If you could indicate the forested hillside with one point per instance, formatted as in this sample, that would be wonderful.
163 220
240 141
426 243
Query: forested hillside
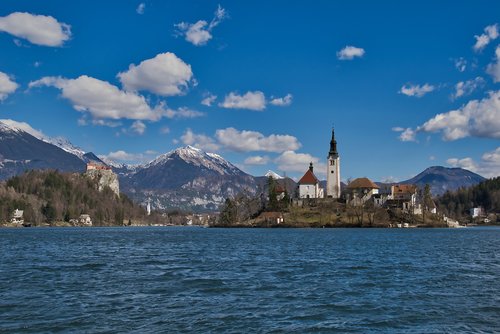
50 196
457 203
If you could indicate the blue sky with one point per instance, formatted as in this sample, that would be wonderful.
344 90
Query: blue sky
406 85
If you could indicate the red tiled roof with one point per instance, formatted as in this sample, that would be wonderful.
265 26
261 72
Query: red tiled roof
405 188
279 189
362 182
309 178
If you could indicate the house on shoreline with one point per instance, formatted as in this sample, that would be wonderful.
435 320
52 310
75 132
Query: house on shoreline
17 217
360 190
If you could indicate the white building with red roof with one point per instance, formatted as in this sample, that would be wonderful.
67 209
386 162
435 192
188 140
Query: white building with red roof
309 185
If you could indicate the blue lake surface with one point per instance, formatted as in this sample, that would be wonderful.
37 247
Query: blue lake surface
150 280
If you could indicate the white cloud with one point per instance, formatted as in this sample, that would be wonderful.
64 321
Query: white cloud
389 179
250 100
24 127
200 33
38 29
122 156
416 90
256 160
479 118
490 34
165 130
247 141
461 64
195 33
126 157
350 52
282 101
102 99
138 127
200 141
140 9
466 163
182 112
165 75
7 86
464 88
493 69
290 161
208 100
488 166
100 122
407 134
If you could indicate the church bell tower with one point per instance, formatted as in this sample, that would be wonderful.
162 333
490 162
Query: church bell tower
333 170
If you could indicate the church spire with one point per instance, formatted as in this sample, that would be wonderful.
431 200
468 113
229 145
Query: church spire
333 146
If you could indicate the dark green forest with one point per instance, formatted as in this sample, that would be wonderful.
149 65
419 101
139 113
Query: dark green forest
50 196
458 203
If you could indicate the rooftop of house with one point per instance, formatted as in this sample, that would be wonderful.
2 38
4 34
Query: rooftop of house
404 188
362 182
309 178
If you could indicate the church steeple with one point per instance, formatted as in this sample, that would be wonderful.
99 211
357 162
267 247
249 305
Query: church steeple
333 146
333 170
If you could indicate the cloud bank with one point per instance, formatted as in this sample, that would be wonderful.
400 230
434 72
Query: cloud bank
37 29
7 86
164 75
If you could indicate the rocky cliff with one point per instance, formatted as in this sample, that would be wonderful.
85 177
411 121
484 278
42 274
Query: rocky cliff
105 178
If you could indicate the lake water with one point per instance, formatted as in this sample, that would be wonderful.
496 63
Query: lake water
150 280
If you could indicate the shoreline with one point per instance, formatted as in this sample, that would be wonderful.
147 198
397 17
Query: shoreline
242 226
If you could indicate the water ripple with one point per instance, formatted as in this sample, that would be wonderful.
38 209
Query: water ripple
149 280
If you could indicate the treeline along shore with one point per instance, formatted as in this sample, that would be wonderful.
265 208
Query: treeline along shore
51 198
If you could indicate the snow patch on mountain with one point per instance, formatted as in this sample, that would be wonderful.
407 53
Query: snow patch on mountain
66 145
195 156
9 125
274 175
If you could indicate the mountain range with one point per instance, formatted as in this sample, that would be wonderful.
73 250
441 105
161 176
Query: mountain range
186 178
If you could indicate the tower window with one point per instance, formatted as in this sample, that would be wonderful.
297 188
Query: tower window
332 162
331 172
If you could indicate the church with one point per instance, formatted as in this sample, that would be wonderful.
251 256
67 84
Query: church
309 184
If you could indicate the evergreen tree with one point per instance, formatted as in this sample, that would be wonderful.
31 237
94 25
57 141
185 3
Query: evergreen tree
228 213
273 196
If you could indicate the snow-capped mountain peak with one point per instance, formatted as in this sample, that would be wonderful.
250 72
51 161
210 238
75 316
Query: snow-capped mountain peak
64 144
9 125
274 175
197 157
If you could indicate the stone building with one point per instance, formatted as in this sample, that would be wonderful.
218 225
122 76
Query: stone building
360 190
